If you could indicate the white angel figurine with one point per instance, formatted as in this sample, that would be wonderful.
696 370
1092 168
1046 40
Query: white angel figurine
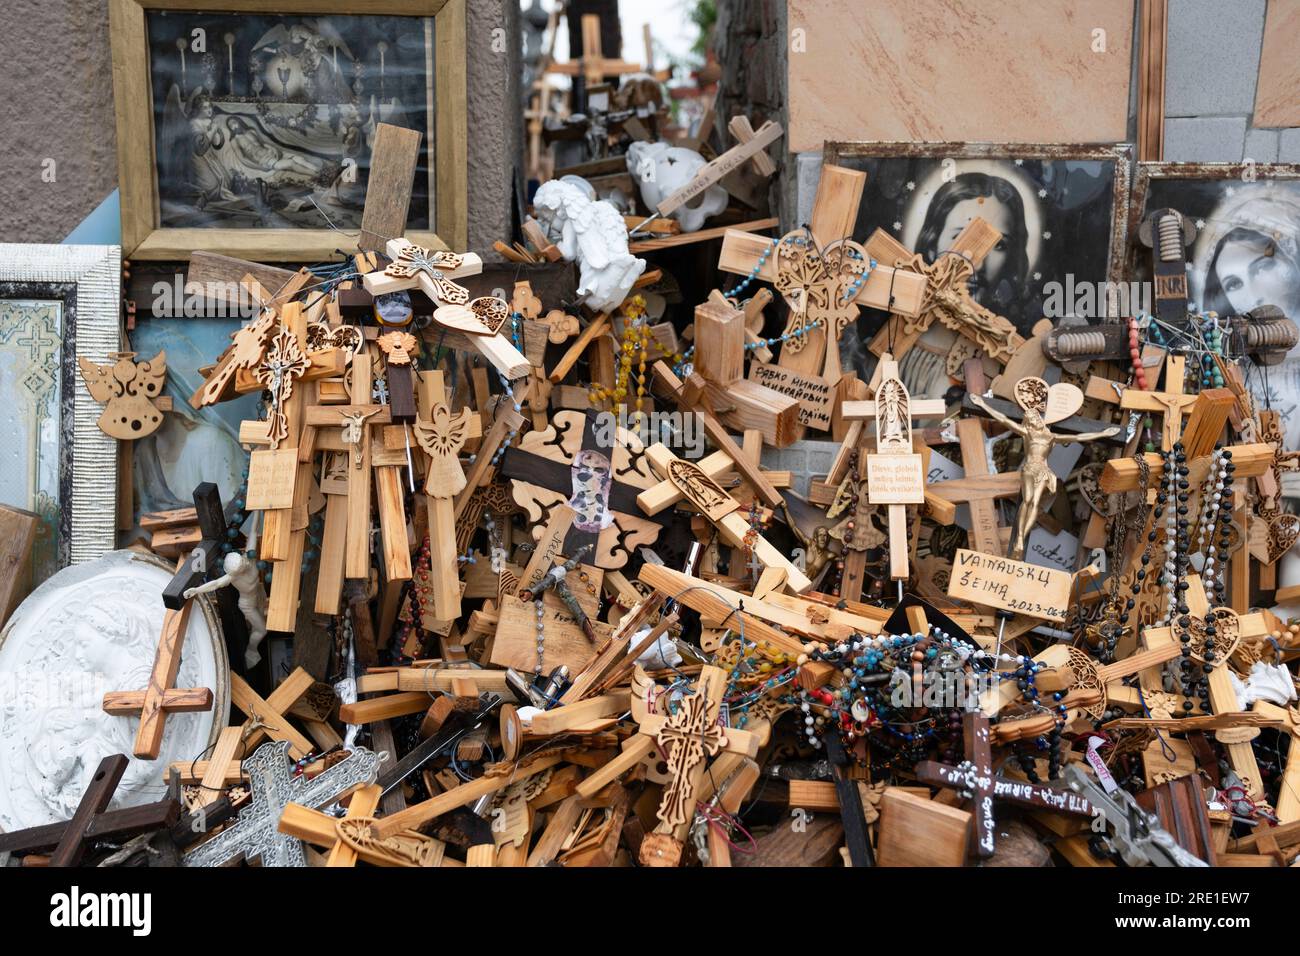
241 574
593 233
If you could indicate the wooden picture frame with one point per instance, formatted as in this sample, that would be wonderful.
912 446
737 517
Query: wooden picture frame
1246 253
87 282
143 235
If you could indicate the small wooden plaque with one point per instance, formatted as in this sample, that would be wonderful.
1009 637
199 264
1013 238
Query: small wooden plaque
1063 400
815 395
895 479
1011 585
271 477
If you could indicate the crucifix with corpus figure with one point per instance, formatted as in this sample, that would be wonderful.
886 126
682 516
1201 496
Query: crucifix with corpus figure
823 275
947 298
895 473
160 698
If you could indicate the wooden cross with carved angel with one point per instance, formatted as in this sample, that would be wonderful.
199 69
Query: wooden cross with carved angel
442 438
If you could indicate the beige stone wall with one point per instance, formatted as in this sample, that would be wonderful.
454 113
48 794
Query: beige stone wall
56 102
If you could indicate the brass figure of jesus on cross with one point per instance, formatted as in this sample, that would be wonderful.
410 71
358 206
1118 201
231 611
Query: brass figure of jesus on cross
1035 475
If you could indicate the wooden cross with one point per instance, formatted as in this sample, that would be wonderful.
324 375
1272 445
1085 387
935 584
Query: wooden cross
284 363
1172 404
1223 699
160 698
1288 795
100 824
351 838
976 778
255 834
691 399
432 272
685 480
398 348
593 67
947 297
442 437
828 266
689 735
895 474
269 717
570 460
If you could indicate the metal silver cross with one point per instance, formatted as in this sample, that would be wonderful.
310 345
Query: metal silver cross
255 833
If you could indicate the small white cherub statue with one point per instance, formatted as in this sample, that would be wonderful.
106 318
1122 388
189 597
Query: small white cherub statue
593 233
241 574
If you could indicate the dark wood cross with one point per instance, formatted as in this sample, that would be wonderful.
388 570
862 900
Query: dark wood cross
575 477
976 778
205 559
74 837
850 798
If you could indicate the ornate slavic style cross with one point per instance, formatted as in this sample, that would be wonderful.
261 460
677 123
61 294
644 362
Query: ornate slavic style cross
255 835
285 363
688 737
431 272
947 296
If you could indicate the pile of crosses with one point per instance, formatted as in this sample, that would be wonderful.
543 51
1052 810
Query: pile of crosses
566 632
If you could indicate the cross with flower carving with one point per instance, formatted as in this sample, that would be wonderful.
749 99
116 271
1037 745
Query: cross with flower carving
823 275
947 298
284 364
689 735
430 271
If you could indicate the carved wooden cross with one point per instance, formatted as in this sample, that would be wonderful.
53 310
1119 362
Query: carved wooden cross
895 475
975 777
947 296
823 281
433 272
351 838
442 437
1172 404
683 479
283 365
689 735
160 698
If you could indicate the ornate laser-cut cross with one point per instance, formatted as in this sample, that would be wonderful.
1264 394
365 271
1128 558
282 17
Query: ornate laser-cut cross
284 364
255 834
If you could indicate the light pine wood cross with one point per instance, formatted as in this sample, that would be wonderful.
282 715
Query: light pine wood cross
947 298
434 273
686 480
895 473
1172 404
689 734
816 280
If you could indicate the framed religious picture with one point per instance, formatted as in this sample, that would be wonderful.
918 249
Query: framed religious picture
58 304
1245 254
1061 210
247 127
192 445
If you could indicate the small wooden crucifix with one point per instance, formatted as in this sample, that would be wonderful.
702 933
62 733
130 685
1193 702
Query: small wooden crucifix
895 475
160 698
